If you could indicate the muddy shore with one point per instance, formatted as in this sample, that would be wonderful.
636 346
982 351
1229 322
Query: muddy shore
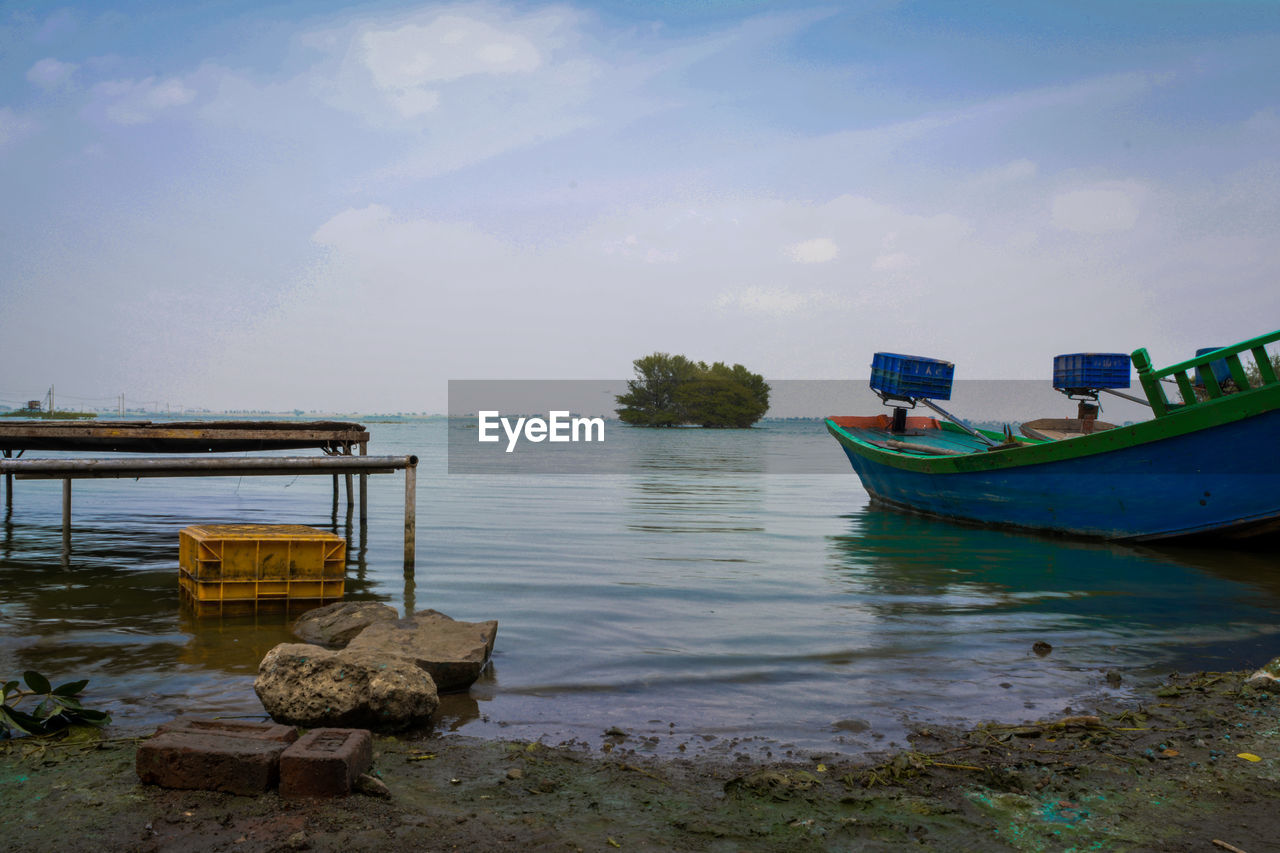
1194 765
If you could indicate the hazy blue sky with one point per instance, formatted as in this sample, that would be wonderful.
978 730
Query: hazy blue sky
341 206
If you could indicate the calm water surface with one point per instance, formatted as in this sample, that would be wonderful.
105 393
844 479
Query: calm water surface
694 601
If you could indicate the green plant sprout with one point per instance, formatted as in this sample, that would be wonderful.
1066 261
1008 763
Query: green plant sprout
56 708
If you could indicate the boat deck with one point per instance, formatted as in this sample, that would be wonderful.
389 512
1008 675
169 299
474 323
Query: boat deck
925 436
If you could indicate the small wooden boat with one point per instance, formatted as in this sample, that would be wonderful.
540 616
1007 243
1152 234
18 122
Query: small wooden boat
1207 463
1056 429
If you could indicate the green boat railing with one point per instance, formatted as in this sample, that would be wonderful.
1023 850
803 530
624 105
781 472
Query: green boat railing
1153 380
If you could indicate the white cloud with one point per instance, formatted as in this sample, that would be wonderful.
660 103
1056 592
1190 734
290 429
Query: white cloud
893 262
349 229
647 251
447 48
396 252
1102 209
141 101
409 63
52 74
816 251
779 301
13 125
1265 121
1008 173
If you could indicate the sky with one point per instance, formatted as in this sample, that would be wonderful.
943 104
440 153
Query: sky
340 207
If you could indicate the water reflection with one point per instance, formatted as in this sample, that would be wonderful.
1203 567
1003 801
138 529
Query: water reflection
694 451
679 504
233 645
1254 563
1135 601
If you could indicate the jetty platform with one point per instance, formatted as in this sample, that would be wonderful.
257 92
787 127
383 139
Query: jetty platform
343 450
181 436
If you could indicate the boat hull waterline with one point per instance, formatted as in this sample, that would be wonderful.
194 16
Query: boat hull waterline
1213 469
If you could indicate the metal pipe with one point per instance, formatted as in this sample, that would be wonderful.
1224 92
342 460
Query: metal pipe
188 466
1124 396
66 513
364 489
196 466
410 514
964 426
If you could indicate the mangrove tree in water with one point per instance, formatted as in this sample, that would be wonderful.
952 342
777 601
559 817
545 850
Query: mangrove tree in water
671 390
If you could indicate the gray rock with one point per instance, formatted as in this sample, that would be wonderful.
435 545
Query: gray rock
305 685
851 725
371 786
1267 678
454 653
335 625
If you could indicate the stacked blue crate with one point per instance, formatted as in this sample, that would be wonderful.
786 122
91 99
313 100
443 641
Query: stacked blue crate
911 376
1091 371
1220 370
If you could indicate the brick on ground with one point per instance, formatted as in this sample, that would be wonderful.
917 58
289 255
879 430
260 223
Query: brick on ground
233 756
325 763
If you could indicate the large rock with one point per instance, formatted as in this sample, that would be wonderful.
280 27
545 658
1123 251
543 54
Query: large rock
305 685
1267 678
453 652
335 625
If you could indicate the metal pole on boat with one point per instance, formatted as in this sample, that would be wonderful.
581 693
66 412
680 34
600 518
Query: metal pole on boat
964 426
1124 396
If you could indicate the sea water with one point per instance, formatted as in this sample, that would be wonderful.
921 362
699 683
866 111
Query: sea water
696 601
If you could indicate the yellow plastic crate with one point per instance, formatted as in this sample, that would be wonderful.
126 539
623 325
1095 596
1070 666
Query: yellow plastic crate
238 597
256 565
243 552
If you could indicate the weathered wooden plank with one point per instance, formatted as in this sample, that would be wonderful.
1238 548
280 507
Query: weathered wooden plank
201 466
7 431
178 436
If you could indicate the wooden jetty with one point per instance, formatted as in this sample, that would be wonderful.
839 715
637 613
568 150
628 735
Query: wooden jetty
338 442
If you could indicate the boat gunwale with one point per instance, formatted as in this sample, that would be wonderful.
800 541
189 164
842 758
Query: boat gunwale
1211 413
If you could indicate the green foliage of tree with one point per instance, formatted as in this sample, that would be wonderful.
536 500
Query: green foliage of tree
1255 375
671 390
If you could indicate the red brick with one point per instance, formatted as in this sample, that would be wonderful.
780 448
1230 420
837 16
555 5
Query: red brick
231 728
210 762
325 762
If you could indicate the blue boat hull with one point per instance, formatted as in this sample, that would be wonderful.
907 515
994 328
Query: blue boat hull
1223 480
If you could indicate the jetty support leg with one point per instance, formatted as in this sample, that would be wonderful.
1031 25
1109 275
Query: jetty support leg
66 517
364 489
410 516
8 484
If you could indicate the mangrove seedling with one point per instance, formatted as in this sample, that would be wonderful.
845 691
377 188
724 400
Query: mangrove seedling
55 708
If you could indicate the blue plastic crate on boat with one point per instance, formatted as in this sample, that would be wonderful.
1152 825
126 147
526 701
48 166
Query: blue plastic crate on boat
1220 370
904 376
1091 370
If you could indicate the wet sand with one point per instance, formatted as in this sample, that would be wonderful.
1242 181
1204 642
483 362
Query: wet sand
1163 773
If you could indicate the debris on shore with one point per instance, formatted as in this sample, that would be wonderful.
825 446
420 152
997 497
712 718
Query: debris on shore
1193 765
